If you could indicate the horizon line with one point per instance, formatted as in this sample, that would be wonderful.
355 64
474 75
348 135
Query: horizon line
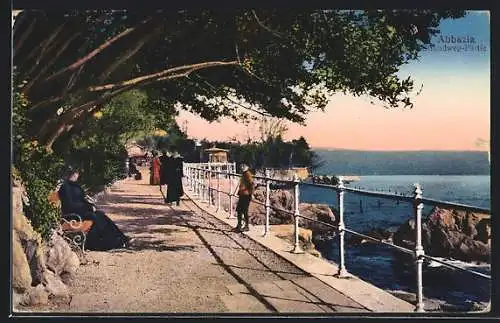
400 150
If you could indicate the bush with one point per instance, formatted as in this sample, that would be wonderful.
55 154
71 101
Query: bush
39 171
95 146
37 168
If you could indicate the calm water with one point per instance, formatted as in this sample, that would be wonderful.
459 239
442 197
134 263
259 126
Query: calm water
384 267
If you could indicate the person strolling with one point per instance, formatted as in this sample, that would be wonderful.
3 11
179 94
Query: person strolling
165 167
175 173
245 192
154 178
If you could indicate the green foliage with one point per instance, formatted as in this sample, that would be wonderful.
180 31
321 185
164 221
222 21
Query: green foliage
273 152
284 62
38 170
96 146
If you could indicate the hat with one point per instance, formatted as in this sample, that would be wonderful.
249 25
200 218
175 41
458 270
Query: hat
244 167
71 169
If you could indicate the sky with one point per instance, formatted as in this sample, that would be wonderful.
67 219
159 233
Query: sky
451 112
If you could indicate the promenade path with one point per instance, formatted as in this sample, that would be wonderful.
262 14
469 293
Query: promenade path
184 260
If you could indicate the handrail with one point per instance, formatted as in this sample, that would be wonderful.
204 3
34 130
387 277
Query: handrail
392 245
417 200
460 206
405 198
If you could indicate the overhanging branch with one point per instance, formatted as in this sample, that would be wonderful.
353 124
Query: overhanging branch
161 75
96 51
233 101
274 32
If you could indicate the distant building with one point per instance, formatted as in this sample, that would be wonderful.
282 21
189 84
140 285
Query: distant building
137 152
217 155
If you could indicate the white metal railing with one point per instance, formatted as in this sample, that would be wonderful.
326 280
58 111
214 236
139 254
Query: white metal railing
199 179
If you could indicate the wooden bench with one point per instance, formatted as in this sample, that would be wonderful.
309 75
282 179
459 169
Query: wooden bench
73 228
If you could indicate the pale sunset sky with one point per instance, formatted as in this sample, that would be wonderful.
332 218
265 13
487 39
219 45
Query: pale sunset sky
451 113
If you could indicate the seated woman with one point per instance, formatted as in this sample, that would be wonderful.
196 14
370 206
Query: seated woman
104 234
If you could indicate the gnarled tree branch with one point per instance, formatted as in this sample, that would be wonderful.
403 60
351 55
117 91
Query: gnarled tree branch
28 86
24 36
131 52
274 32
96 51
161 74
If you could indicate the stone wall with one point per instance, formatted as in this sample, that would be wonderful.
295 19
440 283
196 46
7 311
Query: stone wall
40 270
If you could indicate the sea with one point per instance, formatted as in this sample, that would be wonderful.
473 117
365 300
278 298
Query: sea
384 267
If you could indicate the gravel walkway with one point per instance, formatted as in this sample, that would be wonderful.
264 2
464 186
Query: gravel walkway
183 260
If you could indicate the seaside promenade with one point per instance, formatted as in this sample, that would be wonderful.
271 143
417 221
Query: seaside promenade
187 259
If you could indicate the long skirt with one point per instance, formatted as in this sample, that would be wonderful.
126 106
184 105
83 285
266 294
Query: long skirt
174 190
103 234
154 178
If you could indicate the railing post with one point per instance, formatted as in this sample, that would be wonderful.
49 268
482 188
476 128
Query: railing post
296 213
192 174
419 250
340 195
193 184
218 190
207 185
268 204
198 179
198 182
210 191
230 197
203 184
195 173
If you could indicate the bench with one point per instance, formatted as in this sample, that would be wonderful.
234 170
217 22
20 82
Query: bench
71 226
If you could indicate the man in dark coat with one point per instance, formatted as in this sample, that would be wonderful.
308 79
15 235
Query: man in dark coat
104 234
175 174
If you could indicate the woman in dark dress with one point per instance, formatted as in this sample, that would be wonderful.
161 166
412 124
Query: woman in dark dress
175 174
104 234
165 166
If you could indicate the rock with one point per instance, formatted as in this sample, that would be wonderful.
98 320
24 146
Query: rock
35 255
36 296
286 231
17 299
54 285
30 240
21 275
31 259
377 233
320 212
59 256
484 231
284 199
450 233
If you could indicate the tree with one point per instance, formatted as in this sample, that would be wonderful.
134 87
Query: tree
271 128
232 62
